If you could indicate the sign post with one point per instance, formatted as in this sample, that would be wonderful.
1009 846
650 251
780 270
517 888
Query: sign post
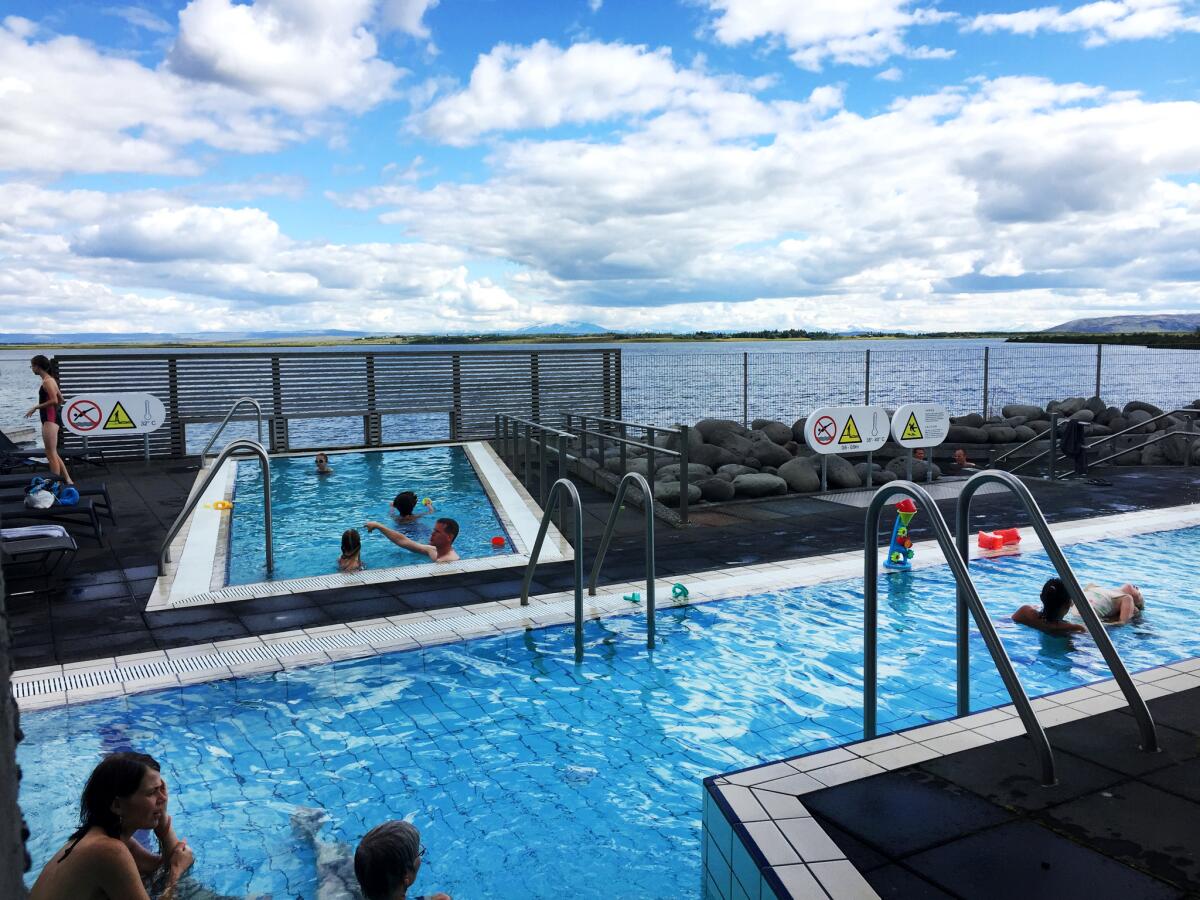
920 425
107 415
845 429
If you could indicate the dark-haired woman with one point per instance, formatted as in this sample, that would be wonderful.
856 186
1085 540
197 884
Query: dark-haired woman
102 860
49 410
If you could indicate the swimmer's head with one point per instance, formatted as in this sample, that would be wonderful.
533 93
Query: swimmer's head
1056 600
322 460
351 542
405 502
444 533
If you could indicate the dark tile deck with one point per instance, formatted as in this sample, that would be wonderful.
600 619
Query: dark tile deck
978 824
98 608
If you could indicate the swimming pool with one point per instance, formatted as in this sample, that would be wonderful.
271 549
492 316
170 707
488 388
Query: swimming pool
310 512
529 775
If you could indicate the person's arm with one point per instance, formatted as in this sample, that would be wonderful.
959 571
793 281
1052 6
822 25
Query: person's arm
1028 616
1127 610
50 400
401 541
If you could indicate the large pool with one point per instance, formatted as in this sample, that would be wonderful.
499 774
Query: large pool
530 776
310 511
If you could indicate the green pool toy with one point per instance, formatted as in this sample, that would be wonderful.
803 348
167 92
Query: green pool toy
679 592
635 597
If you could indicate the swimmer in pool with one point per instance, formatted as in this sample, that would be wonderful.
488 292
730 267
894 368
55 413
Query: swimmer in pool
1056 603
351 558
323 465
404 504
440 548
1115 606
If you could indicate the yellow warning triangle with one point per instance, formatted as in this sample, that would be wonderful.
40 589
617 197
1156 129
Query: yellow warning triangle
912 431
850 433
118 418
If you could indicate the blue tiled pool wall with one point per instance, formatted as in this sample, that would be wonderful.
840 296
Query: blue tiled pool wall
733 866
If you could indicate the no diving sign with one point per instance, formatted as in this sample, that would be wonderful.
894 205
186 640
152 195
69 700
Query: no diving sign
846 429
105 415
920 425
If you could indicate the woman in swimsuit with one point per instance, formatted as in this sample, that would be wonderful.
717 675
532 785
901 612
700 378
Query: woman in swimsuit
103 860
49 410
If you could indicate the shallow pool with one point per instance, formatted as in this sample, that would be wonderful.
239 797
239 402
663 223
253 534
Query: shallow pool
530 776
311 511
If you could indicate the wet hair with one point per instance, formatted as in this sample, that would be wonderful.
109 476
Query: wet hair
322 457
351 542
117 775
449 526
405 503
385 856
41 362
1056 600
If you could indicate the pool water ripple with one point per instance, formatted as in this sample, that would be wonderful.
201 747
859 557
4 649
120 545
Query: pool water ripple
529 775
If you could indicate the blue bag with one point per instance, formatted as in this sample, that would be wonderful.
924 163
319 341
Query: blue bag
67 495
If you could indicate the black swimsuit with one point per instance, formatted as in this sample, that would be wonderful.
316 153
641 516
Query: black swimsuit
52 413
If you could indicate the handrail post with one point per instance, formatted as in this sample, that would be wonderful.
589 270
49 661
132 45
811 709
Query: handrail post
561 484
985 382
229 415
683 474
610 526
1053 447
1094 626
963 578
541 443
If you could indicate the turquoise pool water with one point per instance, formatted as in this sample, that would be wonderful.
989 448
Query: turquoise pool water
530 776
310 512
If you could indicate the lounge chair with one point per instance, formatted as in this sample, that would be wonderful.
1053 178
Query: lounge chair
13 455
82 513
12 489
36 545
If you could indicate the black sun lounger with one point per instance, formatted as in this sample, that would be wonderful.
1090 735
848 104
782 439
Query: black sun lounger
12 493
82 513
13 455
36 546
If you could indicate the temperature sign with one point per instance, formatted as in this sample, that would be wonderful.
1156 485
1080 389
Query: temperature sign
846 429
102 415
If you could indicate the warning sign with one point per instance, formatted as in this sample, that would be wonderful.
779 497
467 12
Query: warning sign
100 415
846 429
920 425
850 433
118 419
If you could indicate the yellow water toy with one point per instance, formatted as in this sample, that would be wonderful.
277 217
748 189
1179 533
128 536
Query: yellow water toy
219 504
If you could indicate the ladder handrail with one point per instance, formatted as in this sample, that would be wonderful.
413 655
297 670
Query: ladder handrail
554 497
164 553
963 578
610 525
1094 626
229 415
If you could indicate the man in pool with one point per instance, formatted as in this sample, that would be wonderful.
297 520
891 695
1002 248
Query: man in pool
323 464
440 548
1113 607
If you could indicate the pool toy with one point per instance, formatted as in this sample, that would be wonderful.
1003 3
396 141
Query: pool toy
219 504
901 551
996 540
497 541
427 502
635 597
679 592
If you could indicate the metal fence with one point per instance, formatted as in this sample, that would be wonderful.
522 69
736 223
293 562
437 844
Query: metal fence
339 399
684 387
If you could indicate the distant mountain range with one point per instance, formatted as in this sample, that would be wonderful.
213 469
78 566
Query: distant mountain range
564 328
1130 324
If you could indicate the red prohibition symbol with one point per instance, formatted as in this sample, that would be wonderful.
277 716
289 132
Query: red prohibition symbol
84 415
825 430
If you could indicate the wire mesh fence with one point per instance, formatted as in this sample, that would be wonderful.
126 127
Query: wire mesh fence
667 387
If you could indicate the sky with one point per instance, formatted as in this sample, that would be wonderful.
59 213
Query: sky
435 166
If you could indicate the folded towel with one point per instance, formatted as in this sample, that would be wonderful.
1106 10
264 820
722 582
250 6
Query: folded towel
32 531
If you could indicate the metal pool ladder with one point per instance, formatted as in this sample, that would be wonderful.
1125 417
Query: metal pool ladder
164 553
1092 621
564 484
967 592
229 415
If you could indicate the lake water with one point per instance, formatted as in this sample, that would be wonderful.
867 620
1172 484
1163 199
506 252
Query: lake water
684 381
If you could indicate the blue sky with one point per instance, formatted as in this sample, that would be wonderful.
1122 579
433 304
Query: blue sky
465 165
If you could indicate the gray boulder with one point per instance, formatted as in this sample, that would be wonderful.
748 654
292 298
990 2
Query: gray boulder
971 420
993 420
1175 448
1099 431
1066 407
879 475
775 431
716 489
1154 455
1095 405
1025 433
1027 410
1110 413
1039 426
966 434
841 473
668 493
695 439
733 442
1195 452
770 470
793 448
920 469
712 456
1000 434
733 470
769 453
798 431
1139 416
800 476
696 472
1082 415
709 427
1014 421
759 485
751 463
1117 423
1138 405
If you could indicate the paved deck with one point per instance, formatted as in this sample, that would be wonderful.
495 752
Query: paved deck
102 600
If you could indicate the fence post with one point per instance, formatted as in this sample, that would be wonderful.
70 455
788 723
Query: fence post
279 425
616 386
372 426
867 382
985 381
535 399
178 435
745 389
1099 355
456 394
683 473
1053 446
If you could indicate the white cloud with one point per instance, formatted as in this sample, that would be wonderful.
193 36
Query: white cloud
140 18
301 55
407 16
847 32
890 74
191 232
1101 23
543 86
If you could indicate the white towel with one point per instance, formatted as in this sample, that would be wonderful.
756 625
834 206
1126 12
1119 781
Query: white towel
25 532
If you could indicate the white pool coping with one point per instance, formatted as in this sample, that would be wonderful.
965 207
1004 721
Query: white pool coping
198 557
58 685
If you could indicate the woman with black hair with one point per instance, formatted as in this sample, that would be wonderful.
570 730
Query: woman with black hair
102 860
49 410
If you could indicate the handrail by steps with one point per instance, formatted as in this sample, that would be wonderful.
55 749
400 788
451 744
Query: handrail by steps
229 415
562 484
610 525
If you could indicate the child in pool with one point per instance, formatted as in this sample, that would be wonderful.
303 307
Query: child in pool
405 502
351 558
323 465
